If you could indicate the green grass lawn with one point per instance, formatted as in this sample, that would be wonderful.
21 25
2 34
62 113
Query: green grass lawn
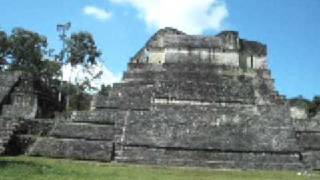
26 168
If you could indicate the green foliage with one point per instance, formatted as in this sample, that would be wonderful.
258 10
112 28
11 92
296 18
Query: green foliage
31 168
26 50
4 48
82 49
79 99
105 90
86 84
300 102
312 107
49 70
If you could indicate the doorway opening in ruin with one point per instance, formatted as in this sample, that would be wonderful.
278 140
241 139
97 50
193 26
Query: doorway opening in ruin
251 62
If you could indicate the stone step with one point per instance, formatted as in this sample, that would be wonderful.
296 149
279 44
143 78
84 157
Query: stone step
83 131
73 148
5 140
39 127
254 165
18 111
151 154
215 164
106 116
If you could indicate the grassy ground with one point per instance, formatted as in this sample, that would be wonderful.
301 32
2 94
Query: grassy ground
26 168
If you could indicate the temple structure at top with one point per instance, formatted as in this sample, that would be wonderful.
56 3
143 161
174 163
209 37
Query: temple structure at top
173 46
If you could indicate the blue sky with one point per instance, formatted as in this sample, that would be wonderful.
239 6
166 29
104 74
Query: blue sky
290 28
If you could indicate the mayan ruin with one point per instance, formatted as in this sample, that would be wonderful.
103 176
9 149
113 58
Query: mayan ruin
184 100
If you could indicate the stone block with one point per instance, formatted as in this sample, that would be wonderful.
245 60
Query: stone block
309 140
236 128
311 159
213 159
83 131
73 149
103 116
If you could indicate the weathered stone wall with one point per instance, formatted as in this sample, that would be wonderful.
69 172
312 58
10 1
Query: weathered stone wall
23 96
17 98
173 46
22 100
220 127
194 82
23 106
217 136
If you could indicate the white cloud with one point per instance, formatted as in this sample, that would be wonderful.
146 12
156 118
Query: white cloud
97 13
78 74
191 16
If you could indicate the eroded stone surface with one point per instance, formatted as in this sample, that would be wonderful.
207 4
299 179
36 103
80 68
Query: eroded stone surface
73 148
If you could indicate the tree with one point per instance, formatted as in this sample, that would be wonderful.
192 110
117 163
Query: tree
82 53
105 90
311 107
4 48
27 50
315 106
49 71
82 49
300 101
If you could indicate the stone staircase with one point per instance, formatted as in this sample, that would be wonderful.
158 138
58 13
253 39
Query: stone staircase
7 129
85 136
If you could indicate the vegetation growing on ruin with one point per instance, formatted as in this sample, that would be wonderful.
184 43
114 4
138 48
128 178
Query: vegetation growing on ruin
311 106
42 168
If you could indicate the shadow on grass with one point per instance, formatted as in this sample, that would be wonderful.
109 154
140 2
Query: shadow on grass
13 163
